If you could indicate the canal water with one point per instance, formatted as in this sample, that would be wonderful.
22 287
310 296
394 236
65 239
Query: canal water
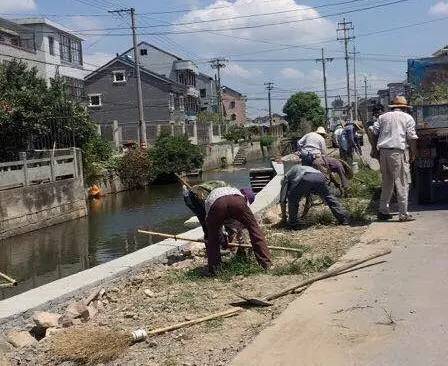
108 232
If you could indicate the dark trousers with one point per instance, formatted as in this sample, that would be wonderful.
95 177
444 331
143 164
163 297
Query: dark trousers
313 183
234 207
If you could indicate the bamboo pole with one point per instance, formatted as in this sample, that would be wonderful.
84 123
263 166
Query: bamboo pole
233 245
320 277
223 314
9 279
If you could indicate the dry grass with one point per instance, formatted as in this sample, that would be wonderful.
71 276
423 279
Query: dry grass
89 346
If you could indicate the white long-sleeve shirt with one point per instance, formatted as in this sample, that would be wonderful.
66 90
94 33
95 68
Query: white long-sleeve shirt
394 129
312 143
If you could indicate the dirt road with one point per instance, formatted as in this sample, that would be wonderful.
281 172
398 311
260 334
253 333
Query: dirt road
394 313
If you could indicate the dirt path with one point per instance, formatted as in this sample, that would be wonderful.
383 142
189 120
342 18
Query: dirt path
390 314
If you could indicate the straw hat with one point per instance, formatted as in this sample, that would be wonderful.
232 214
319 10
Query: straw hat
399 102
321 131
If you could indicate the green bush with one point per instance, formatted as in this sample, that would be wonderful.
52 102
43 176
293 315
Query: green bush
236 133
267 140
96 153
174 154
135 168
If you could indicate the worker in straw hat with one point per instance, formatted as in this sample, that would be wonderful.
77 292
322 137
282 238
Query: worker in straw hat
312 145
394 131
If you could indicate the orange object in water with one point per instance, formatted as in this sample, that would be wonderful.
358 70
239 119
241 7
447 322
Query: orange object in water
95 191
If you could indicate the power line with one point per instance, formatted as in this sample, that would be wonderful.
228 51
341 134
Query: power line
240 27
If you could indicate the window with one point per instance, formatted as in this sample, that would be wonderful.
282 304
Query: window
75 51
171 102
232 104
119 76
65 48
70 50
233 117
95 100
203 93
75 87
51 45
181 103
143 52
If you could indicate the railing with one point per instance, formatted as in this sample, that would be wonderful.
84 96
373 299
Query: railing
59 165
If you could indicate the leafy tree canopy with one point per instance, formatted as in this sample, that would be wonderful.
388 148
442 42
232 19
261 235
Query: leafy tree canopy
33 111
236 133
208 117
174 154
304 108
436 94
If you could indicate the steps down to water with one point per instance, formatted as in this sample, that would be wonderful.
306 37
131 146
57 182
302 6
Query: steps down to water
241 155
259 178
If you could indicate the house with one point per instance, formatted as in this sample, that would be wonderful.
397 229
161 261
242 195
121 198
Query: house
174 68
112 100
50 47
208 99
234 105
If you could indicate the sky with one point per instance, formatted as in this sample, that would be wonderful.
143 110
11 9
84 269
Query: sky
263 40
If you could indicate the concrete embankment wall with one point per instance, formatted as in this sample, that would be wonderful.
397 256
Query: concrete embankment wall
19 307
35 207
215 152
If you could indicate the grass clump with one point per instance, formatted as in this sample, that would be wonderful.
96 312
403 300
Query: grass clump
366 184
303 266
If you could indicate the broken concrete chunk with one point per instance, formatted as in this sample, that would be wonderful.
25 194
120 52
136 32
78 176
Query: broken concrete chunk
50 331
45 320
19 338
77 310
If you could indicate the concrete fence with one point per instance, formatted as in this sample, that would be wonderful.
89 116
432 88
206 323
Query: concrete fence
40 192
58 165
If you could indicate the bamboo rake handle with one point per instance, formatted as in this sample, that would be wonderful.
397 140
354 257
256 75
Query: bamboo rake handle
233 245
325 275
9 279
223 314
183 181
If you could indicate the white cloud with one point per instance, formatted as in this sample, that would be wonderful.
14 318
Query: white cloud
440 8
237 71
94 60
289 28
17 5
290 73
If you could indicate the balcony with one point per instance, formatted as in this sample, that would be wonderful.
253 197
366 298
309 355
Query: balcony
184 65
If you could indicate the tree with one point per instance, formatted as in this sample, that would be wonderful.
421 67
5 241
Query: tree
236 133
208 117
174 154
302 108
35 114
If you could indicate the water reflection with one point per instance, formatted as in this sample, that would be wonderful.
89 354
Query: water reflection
109 232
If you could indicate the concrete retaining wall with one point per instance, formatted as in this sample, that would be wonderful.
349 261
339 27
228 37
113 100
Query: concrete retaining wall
20 306
35 207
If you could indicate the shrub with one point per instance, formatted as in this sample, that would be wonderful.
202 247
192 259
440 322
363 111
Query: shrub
236 133
135 168
174 154
267 140
96 153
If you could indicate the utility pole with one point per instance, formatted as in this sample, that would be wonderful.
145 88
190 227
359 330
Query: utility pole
324 61
218 64
365 97
345 33
355 83
269 87
141 117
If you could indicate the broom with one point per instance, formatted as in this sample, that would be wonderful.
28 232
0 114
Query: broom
100 345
